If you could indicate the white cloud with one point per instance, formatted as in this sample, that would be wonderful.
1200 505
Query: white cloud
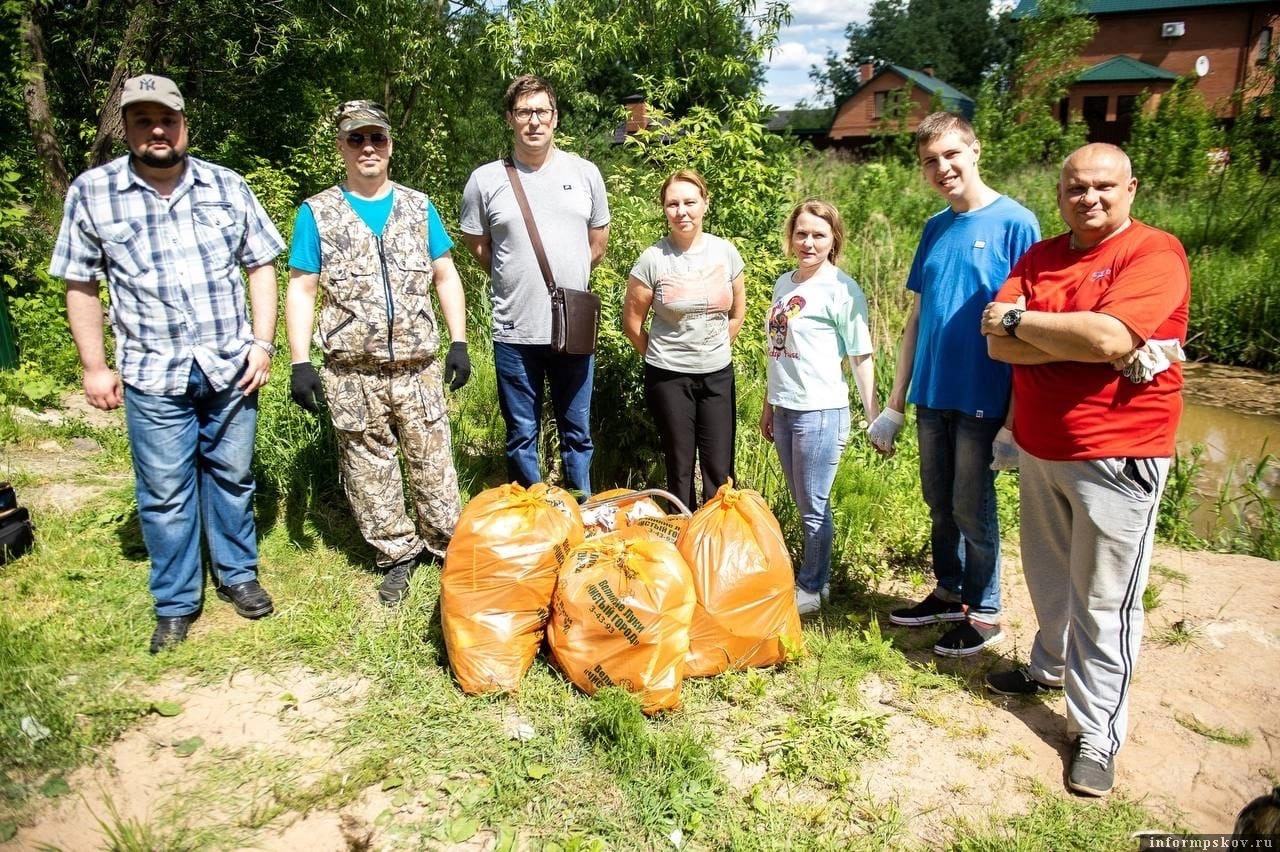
794 54
785 94
817 26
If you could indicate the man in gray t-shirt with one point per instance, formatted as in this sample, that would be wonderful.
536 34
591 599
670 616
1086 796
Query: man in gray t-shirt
567 198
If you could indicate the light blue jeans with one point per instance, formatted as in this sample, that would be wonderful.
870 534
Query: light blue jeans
809 445
192 457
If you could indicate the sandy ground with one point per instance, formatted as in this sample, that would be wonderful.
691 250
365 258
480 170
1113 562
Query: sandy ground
952 757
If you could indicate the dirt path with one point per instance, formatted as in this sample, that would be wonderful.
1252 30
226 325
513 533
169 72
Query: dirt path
956 756
1210 661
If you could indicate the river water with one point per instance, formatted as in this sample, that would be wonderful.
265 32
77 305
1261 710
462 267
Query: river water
1235 415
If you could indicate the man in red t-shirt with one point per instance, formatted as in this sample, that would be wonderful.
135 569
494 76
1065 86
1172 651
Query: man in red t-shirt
1096 444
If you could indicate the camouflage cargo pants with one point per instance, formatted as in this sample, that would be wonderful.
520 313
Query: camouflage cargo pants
370 411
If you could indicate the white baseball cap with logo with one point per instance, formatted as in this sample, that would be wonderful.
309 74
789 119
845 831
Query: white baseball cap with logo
152 89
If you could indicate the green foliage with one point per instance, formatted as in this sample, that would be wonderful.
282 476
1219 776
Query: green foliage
1170 146
35 301
1054 822
705 54
961 38
1178 502
1017 105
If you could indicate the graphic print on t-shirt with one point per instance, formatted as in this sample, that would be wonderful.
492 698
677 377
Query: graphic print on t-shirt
779 319
704 289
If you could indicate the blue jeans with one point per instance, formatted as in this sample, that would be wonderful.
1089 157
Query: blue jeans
809 445
192 457
960 489
523 370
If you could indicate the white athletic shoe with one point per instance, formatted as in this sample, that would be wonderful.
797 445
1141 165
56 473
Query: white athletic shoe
807 602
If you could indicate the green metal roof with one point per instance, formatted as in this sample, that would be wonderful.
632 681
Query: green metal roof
951 96
1123 68
1103 7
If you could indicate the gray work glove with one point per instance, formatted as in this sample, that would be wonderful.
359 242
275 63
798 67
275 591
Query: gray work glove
884 430
305 386
457 365
1004 451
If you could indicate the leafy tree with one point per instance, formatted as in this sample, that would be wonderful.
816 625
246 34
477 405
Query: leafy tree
1017 106
704 53
959 37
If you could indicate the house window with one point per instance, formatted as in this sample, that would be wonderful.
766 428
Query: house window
881 103
1264 46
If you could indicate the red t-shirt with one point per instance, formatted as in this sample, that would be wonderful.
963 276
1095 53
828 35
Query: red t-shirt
1073 410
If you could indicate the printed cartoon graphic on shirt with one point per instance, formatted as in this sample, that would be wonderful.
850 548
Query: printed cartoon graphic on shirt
779 321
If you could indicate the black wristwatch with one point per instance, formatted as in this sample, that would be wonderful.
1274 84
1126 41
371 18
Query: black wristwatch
1010 321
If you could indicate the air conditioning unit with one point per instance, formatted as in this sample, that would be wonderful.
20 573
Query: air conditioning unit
1173 29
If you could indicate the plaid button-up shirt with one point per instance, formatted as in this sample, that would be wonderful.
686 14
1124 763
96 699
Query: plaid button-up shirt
172 267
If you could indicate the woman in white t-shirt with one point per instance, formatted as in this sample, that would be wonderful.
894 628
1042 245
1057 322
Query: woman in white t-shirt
817 320
689 285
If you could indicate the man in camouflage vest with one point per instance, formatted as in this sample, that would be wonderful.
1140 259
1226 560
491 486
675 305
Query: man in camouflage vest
374 248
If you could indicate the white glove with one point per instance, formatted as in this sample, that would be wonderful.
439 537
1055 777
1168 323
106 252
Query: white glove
1151 359
884 430
1004 451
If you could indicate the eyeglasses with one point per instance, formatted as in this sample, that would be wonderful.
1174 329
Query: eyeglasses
524 114
357 141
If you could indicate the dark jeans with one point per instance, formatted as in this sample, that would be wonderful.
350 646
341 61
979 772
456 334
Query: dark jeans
523 370
696 416
959 488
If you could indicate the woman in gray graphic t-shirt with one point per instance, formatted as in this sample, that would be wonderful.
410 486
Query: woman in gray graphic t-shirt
689 285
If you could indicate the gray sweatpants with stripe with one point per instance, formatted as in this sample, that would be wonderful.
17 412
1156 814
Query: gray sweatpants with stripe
1087 532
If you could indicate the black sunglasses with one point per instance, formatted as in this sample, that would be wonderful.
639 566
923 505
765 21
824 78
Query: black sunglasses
356 141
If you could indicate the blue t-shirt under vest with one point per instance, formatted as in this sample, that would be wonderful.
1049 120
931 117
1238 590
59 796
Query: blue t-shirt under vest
304 248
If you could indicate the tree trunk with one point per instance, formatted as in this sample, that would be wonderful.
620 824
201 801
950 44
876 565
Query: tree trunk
36 96
111 123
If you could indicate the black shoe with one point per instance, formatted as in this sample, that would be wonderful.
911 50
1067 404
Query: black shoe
931 610
969 638
395 586
1093 772
1018 682
249 599
170 630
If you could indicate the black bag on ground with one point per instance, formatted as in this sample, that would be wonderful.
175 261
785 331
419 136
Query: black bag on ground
17 533
575 321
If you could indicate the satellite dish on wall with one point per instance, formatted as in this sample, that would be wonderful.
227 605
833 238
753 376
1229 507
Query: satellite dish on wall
1202 65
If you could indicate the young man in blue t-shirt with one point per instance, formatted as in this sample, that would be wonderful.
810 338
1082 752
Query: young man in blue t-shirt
962 396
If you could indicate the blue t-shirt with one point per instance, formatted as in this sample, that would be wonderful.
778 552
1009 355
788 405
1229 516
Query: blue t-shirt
961 261
304 250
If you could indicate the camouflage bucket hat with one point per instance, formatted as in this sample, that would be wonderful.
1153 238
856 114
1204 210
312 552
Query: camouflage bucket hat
356 114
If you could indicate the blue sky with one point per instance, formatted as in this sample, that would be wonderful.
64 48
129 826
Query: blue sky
817 26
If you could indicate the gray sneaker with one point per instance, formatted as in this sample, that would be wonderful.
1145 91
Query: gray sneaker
1093 772
395 586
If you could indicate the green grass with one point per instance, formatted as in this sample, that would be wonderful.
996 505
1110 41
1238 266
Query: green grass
75 615
1217 734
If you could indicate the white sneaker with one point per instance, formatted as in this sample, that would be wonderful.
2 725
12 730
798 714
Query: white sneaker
826 593
807 602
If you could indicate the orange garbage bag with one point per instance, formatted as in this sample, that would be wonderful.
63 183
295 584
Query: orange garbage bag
744 583
614 516
620 617
498 577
